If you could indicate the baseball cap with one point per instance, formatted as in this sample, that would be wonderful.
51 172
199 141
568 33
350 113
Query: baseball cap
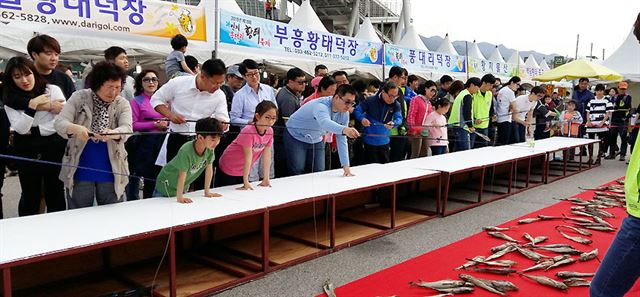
623 85
234 70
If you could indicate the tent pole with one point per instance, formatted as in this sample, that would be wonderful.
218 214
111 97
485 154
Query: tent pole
216 32
466 53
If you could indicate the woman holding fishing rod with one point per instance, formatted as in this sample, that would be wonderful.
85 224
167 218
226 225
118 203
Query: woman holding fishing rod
97 122
143 149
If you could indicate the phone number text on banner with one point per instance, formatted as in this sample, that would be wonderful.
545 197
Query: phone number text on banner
426 61
138 17
278 37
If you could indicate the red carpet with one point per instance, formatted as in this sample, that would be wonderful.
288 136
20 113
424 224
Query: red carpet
440 264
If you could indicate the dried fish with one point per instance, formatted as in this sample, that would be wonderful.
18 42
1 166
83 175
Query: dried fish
329 289
577 239
570 274
578 230
502 271
493 228
560 258
580 220
458 290
502 236
528 237
481 284
502 285
500 263
560 263
501 253
589 256
528 220
441 284
472 262
555 245
543 280
560 250
602 222
599 228
542 265
503 246
546 218
439 295
577 282
530 254
581 213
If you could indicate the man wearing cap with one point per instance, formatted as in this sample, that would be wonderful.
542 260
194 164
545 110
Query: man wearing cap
620 268
233 83
619 122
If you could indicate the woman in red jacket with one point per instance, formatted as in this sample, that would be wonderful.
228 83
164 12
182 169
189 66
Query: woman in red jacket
419 108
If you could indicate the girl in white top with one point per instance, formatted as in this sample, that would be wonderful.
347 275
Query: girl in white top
31 106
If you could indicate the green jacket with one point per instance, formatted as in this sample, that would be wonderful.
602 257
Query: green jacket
480 109
632 182
456 118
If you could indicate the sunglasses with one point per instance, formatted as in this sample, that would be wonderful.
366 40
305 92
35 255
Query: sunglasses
150 80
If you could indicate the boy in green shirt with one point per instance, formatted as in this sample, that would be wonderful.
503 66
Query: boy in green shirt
193 157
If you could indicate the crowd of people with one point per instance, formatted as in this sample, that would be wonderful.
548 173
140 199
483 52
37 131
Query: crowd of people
210 124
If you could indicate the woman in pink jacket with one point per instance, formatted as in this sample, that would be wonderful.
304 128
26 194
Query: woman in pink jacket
419 108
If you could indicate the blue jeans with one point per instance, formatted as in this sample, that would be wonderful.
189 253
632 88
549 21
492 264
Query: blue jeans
477 141
518 133
438 149
620 267
462 139
303 157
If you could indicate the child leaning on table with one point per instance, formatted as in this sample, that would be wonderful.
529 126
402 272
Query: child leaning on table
192 159
571 119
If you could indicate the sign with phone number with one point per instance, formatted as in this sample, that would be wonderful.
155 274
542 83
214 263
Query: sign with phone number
138 17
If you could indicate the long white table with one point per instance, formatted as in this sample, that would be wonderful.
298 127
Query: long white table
35 238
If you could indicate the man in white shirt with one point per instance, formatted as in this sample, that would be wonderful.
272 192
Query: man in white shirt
504 107
522 116
191 98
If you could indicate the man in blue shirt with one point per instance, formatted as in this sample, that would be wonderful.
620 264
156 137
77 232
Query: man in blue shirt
582 95
306 127
243 108
379 114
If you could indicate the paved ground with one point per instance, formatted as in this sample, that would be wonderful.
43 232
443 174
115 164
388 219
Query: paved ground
353 263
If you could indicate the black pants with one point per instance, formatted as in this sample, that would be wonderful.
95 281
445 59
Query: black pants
143 151
602 145
33 176
541 134
377 153
613 139
174 143
222 179
504 133
4 144
398 147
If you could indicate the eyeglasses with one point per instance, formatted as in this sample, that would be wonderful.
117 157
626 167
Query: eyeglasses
300 82
348 102
150 80
253 73
433 90
391 96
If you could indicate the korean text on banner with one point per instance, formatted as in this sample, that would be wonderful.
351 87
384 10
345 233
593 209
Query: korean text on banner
137 17
480 67
248 31
423 61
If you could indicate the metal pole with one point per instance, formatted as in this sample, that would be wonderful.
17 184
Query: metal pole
216 26
577 44
466 53
591 51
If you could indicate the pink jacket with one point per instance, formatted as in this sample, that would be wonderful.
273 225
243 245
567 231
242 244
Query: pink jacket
419 108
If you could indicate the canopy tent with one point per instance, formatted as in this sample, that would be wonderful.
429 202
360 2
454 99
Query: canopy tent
367 32
412 40
543 65
474 51
516 59
307 18
446 47
496 56
625 59
531 62
577 69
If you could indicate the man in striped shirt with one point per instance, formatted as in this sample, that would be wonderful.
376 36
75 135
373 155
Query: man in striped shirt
598 114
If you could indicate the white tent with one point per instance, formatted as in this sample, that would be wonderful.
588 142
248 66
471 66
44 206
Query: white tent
412 40
531 62
367 32
446 47
307 18
496 56
474 51
625 59
543 65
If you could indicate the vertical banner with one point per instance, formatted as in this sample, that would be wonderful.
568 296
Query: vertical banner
423 61
138 17
285 40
